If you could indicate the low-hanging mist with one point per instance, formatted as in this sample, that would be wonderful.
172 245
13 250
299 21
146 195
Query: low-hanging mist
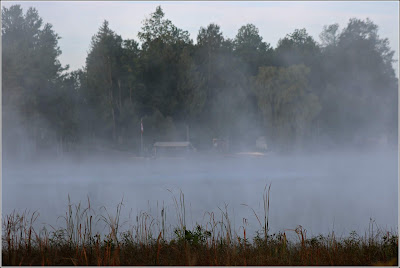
315 120
338 191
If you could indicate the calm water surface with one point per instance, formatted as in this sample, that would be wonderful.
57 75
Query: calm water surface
337 191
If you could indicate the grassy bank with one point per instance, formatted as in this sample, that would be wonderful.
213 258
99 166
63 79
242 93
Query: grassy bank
149 242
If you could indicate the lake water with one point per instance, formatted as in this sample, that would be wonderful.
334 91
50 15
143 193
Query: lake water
338 192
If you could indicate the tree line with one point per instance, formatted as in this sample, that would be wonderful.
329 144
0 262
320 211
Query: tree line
340 90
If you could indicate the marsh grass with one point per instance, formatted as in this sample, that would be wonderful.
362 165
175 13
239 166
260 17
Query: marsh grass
149 240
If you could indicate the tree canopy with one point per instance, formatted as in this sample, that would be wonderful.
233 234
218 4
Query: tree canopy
342 89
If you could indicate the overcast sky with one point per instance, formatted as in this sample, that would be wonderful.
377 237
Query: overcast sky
76 22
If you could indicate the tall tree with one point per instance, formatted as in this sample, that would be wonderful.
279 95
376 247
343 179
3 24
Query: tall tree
287 104
250 48
31 71
156 27
228 109
297 48
190 82
103 65
361 85
162 44
330 35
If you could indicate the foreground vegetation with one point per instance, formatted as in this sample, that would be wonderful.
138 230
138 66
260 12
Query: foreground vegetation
147 242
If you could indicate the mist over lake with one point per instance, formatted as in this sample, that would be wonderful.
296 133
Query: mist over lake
199 134
333 191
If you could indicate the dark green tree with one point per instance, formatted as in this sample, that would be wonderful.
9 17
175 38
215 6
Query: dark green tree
250 48
156 27
297 48
31 75
162 46
287 104
104 91
190 96
228 111
360 98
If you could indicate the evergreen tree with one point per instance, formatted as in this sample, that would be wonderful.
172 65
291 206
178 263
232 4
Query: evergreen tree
31 76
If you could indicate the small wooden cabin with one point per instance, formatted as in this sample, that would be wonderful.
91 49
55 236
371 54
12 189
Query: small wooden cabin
172 148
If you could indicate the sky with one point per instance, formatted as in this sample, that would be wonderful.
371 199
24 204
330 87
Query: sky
77 21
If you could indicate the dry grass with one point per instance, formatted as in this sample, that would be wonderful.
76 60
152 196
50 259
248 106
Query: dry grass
213 243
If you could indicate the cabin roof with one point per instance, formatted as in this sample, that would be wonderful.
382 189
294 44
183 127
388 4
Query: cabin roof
172 144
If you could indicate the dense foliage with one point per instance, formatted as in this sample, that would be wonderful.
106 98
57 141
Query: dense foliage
342 90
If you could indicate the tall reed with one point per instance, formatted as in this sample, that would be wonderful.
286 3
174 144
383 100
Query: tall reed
149 241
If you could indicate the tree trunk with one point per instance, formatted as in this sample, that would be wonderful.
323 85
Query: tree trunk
119 91
61 145
113 117
130 94
112 102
